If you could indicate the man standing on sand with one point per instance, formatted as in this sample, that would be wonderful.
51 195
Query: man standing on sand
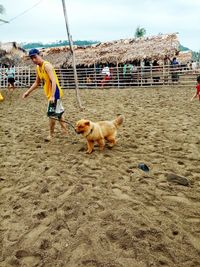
46 73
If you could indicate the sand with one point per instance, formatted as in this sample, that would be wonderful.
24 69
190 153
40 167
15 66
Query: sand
62 207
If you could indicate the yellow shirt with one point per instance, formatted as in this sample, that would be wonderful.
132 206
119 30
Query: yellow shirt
42 74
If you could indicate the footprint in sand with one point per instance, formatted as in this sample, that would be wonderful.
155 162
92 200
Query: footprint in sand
193 220
40 215
120 195
194 240
26 259
179 199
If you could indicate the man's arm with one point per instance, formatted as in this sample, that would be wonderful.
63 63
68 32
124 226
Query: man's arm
33 87
49 70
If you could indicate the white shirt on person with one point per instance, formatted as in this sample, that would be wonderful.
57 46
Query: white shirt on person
106 71
194 65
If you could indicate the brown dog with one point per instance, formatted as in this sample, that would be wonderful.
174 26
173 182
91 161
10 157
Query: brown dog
99 132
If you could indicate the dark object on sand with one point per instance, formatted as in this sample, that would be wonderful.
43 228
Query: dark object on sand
174 178
143 167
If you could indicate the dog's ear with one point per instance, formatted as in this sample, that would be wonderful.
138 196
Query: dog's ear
87 123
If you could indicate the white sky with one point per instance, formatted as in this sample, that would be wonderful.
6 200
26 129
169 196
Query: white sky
102 20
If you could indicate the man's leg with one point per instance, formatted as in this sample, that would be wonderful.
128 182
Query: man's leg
60 111
63 125
13 86
9 89
52 123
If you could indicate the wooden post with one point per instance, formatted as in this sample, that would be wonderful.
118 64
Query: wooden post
117 75
151 76
95 75
163 72
29 76
73 55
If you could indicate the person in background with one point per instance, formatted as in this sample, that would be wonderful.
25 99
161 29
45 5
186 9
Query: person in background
175 75
128 73
197 93
156 71
124 71
194 66
46 73
89 80
106 75
10 73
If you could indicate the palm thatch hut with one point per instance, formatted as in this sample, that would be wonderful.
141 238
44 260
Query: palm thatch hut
116 52
184 57
11 53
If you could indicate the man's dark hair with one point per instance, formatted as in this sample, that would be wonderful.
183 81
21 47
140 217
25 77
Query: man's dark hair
198 78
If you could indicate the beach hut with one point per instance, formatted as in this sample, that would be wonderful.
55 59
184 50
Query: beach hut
90 59
11 53
115 52
184 57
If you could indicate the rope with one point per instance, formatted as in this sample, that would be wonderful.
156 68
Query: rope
69 123
24 12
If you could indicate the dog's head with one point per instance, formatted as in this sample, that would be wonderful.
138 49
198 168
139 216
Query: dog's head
82 126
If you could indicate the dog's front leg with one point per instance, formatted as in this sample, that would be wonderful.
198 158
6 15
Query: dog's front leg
101 143
90 147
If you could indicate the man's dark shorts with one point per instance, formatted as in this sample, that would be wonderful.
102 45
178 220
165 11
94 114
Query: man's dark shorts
55 109
11 81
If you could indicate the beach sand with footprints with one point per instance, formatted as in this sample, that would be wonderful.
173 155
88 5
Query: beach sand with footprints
62 207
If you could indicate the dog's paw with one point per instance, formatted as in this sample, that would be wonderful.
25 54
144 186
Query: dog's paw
110 146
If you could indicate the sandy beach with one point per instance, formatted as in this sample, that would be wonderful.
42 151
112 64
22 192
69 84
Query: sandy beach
63 208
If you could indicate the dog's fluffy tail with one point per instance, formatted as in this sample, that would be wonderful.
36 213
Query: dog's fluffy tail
118 121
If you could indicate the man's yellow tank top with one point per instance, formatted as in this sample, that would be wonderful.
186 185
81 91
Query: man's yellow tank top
47 82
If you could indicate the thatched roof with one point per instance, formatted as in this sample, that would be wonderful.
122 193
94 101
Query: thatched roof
11 53
12 48
121 51
184 57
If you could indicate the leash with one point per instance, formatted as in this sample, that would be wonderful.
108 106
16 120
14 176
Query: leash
62 121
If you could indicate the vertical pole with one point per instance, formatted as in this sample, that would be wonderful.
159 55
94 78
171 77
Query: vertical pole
117 74
73 55
95 75
0 76
163 72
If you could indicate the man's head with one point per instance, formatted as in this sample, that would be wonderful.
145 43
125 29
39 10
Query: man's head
34 54
198 79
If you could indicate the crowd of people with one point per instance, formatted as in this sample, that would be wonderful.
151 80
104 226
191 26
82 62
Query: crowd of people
135 73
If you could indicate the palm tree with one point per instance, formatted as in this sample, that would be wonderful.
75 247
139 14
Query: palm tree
139 32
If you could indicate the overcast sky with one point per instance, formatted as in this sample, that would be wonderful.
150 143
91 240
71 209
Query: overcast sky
102 20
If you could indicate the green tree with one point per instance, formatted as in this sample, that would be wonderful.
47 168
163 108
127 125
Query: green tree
2 9
140 32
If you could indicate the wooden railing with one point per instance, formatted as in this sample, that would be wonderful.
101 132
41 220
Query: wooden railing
92 77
